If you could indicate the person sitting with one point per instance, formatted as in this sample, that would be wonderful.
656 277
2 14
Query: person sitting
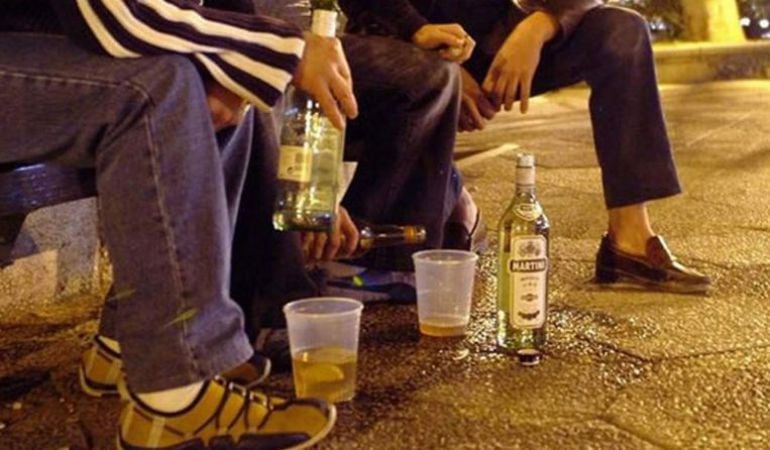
529 47
155 95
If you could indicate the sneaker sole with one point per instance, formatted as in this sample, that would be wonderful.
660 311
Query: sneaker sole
627 281
93 391
311 442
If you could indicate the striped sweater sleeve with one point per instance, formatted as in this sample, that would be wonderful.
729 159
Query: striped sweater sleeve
251 55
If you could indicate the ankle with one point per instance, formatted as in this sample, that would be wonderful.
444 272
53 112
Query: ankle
111 344
634 243
171 400
465 210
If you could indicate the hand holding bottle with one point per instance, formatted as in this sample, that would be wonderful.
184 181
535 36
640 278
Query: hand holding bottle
340 243
323 73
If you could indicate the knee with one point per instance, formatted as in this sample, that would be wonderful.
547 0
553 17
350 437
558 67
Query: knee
625 32
441 79
169 77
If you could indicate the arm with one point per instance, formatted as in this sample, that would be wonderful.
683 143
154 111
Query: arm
568 13
511 73
253 56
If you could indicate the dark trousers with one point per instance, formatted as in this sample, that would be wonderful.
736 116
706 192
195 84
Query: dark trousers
611 51
403 141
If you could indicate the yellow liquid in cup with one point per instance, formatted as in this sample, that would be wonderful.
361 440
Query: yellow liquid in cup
328 373
443 325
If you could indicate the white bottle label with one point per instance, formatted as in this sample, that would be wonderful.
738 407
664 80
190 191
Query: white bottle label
294 163
528 269
324 23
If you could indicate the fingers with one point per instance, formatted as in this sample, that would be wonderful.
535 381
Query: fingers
343 95
454 29
307 239
509 90
472 111
350 236
467 49
319 243
330 107
486 108
333 244
488 86
524 93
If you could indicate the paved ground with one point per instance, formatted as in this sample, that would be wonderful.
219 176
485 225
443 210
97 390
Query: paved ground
623 369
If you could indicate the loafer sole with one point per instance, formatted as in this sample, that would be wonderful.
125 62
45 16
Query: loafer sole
619 279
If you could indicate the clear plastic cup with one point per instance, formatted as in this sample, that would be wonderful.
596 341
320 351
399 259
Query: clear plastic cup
444 290
323 339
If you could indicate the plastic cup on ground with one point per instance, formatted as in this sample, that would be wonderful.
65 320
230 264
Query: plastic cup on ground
323 340
444 290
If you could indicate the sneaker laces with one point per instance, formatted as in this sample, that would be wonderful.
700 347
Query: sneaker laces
250 397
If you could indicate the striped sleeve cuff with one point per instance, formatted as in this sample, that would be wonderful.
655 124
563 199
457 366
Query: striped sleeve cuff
250 55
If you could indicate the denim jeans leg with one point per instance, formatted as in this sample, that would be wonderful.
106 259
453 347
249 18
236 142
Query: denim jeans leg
268 265
234 144
144 125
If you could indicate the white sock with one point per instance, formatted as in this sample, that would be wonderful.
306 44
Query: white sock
111 344
171 400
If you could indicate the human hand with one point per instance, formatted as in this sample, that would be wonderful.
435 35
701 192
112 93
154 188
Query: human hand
323 73
226 108
476 108
515 64
450 39
340 243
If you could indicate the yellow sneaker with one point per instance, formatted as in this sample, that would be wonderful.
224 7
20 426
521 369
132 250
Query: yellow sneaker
101 370
227 416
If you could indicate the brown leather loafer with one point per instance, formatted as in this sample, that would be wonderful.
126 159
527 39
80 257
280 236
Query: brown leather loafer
657 270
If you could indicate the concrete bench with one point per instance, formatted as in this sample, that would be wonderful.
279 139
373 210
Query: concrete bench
25 187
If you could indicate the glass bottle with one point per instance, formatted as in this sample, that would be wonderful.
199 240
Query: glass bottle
311 151
373 236
522 303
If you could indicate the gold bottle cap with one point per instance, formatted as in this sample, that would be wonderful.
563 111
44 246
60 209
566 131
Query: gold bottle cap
415 234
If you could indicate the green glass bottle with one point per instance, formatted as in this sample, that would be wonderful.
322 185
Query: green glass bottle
311 151
372 236
522 301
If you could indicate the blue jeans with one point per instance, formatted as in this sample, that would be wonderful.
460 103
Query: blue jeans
168 194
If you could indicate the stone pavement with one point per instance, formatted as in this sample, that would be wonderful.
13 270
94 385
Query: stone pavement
623 369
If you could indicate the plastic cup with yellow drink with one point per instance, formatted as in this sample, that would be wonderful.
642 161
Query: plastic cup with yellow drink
323 340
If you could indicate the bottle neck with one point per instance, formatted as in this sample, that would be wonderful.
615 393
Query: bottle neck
525 181
377 236
324 22
525 190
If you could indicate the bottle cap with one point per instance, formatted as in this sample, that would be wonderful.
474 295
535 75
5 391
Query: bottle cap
529 356
415 234
525 169
525 160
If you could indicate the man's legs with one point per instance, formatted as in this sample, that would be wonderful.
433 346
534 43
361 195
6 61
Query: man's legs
166 210
611 51
162 202
405 134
